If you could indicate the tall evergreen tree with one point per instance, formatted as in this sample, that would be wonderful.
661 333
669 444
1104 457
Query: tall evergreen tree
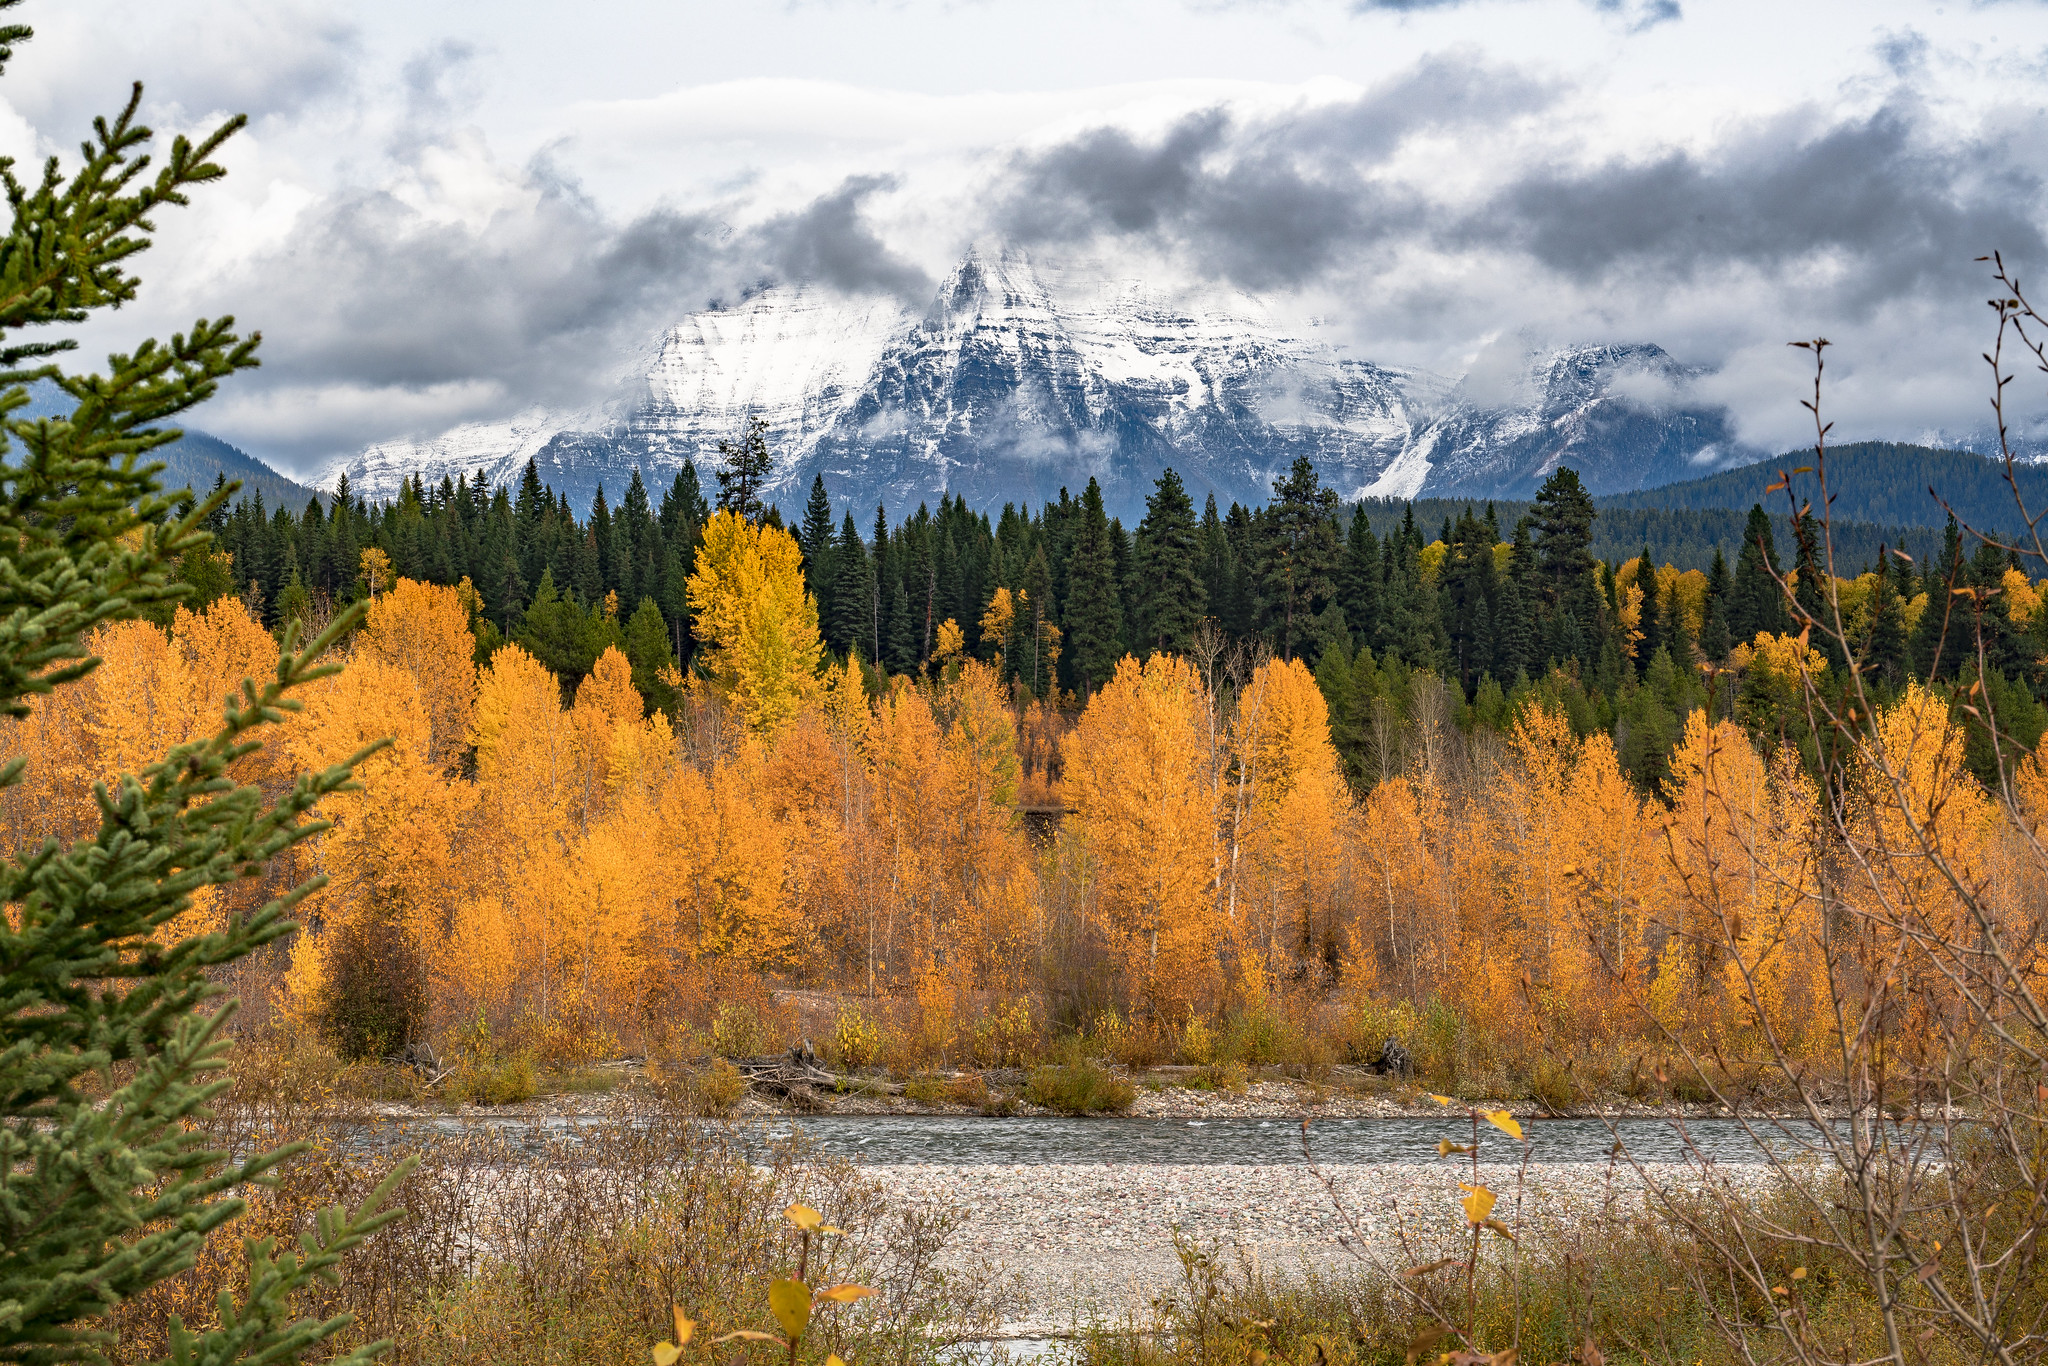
1569 591
743 468
1884 649
1299 558
815 540
1716 639
1094 614
1359 582
112 1039
1168 595
853 593
1755 601
1941 638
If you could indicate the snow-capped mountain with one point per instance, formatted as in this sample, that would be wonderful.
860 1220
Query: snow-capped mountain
1020 379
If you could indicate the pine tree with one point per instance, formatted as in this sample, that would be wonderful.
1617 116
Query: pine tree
853 593
816 540
1359 581
1884 649
1570 595
1810 590
1514 643
1038 602
1941 636
1168 596
1646 622
647 649
1716 640
743 468
109 1048
1094 614
1755 601
1300 556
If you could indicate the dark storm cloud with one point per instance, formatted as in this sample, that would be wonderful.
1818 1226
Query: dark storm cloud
1273 202
831 242
1881 192
1889 204
539 304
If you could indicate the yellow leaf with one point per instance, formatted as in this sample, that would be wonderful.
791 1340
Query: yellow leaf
665 1353
1441 1100
1478 1203
845 1294
1503 1121
803 1216
1444 1147
832 1359
830 1228
686 1327
1502 1229
790 1302
1798 1273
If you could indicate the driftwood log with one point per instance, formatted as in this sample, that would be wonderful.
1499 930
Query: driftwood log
796 1074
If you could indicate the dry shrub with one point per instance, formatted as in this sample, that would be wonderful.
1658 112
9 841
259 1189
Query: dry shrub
1079 1088
856 1041
1006 1034
519 1246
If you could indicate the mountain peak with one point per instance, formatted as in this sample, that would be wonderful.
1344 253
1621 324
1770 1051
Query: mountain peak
1023 376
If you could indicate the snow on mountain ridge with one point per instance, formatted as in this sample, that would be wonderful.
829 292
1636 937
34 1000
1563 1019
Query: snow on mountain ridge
1022 378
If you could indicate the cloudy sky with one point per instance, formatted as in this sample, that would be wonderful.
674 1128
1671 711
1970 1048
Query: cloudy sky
454 210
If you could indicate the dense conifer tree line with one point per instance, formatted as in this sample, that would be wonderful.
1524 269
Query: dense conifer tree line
1059 593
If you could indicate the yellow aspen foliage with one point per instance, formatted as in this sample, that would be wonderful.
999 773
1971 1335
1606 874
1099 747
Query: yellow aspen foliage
2022 597
390 857
1298 841
1920 818
375 573
951 640
527 757
1739 851
999 618
618 747
846 703
424 629
727 860
1137 773
758 625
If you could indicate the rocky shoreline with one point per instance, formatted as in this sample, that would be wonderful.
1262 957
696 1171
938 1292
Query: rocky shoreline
1088 1243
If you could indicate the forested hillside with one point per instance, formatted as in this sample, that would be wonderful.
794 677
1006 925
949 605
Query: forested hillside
1878 482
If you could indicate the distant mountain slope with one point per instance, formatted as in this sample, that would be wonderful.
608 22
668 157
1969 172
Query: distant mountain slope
1020 378
1871 481
195 459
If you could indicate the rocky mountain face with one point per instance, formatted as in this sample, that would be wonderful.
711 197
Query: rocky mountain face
1019 380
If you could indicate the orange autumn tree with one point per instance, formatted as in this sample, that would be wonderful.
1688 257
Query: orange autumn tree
1138 775
1299 835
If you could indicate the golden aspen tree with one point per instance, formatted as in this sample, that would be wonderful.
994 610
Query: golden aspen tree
424 629
1138 777
1305 806
382 920
619 749
1739 890
758 625
986 862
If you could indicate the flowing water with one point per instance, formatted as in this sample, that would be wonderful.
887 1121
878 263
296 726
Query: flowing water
973 1140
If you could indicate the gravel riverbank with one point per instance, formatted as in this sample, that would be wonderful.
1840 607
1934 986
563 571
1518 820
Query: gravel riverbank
1095 1239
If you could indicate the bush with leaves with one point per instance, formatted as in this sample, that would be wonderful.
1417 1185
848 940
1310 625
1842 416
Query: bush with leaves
110 1028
